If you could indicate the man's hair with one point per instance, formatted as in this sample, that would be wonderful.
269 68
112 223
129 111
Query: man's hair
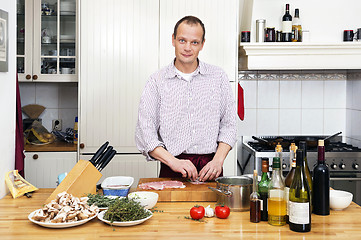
189 20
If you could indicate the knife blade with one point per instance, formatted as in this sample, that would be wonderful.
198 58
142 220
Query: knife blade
103 157
98 153
106 161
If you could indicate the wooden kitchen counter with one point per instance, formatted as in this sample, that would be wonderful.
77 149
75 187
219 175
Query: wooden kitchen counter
171 224
56 146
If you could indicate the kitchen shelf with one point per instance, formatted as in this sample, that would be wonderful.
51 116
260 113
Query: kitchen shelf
283 56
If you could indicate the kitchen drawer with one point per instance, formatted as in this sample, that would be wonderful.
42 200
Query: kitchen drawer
133 165
43 168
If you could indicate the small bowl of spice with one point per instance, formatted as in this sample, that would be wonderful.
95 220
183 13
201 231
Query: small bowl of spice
117 186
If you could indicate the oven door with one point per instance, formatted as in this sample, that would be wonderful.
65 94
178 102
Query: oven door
349 181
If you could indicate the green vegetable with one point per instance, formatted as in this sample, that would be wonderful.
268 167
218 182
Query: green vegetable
100 200
125 210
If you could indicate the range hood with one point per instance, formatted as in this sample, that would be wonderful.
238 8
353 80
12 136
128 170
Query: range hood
296 56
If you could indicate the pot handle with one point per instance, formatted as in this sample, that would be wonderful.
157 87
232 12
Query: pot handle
227 193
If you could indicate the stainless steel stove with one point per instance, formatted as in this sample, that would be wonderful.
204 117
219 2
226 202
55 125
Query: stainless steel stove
344 160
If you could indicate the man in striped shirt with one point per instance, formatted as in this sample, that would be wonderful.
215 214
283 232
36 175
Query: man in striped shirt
187 113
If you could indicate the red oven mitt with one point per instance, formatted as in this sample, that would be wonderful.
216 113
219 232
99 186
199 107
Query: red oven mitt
240 107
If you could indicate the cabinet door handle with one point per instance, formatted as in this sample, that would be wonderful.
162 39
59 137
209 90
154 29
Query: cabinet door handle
35 156
35 77
81 145
28 76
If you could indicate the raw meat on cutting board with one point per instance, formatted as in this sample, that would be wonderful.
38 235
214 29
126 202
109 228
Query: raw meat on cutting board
161 185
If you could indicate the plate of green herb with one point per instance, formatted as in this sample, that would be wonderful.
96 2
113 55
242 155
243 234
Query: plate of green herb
101 201
125 212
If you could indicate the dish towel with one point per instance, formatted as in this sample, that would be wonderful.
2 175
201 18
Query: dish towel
240 105
19 136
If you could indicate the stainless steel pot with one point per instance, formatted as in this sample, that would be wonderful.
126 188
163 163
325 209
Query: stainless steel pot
234 192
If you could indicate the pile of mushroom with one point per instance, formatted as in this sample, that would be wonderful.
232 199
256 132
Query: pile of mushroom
65 208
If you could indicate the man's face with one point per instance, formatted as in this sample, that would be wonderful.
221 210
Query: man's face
188 43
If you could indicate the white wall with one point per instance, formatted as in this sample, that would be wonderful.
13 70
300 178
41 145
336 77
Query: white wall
325 19
7 102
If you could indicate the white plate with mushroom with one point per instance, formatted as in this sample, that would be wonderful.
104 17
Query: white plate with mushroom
58 225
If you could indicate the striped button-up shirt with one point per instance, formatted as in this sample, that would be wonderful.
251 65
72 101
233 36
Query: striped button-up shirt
186 116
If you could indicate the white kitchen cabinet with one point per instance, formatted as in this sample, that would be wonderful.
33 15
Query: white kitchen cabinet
133 165
46 40
43 168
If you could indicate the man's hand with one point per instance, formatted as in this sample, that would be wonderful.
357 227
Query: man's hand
211 170
185 167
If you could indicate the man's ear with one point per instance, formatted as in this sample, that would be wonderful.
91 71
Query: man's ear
173 40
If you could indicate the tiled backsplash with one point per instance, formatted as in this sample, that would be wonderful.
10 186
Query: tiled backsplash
59 99
353 107
293 102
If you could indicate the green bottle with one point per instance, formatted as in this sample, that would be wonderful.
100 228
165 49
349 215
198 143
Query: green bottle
263 189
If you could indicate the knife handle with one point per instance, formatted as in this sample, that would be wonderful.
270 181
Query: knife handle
99 152
106 161
103 157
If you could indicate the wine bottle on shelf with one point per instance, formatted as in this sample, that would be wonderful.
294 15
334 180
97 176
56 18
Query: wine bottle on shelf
287 25
297 27
300 198
263 189
279 154
321 183
276 198
303 146
290 175
255 201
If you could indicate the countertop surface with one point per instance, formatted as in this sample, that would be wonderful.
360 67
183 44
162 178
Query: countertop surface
56 146
169 223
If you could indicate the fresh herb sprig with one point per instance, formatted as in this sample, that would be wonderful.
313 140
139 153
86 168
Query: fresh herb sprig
100 200
125 210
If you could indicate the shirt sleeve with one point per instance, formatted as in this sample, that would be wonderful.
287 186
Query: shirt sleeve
146 132
228 123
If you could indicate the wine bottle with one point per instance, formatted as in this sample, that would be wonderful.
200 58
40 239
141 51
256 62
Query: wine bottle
287 25
300 198
321 183
255 201
303 146
263 189
276 200
297 27
290 175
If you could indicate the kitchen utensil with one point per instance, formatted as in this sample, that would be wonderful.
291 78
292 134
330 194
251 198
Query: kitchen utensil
107 160
98 153
147 199
279 140
240 107
234 191
191 193
33 110
340 200
103 157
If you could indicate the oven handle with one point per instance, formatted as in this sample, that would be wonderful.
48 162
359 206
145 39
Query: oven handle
345 179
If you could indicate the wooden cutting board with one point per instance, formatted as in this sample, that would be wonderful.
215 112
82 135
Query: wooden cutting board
191 193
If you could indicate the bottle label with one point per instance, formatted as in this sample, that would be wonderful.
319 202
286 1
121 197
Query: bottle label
261 205
287 27
287 193
299 213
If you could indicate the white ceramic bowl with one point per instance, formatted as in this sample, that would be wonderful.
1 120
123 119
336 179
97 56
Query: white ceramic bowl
340 200
145 198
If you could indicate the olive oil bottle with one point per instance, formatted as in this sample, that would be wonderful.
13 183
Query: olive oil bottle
276 201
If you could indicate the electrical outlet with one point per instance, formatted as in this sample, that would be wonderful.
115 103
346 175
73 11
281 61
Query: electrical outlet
57 124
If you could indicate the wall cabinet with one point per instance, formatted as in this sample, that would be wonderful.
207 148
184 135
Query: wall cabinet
43 168
46 40
122 43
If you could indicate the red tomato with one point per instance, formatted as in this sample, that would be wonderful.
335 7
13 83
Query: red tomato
197 212
222 211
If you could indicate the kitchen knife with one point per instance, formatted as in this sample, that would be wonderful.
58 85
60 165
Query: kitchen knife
98 153
105 162
103 157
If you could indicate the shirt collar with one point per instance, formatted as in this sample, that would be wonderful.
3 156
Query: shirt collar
171 69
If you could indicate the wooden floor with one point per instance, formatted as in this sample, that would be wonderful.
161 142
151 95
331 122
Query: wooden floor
171 224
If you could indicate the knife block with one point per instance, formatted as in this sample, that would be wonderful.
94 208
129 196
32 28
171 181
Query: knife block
80 181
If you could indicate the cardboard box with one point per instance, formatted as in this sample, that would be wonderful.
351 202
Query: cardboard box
80 181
